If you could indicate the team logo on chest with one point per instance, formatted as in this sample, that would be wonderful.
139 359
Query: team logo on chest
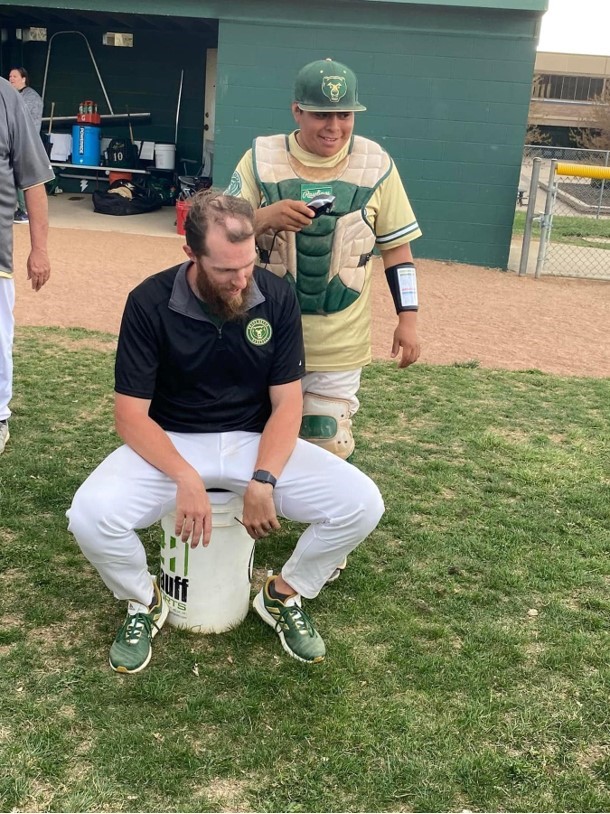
234 187
258 332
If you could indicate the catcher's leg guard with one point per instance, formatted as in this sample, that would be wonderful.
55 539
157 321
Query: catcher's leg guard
327 424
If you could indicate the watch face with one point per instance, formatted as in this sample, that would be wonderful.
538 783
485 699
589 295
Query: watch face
262 476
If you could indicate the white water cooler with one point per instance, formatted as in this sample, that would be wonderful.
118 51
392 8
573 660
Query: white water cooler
208 589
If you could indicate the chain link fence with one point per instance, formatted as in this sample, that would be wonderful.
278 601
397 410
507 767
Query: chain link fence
568 211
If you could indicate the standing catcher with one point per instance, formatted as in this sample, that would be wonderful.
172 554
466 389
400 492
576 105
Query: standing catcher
328 257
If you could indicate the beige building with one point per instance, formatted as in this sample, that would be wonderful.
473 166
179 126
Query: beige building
565 90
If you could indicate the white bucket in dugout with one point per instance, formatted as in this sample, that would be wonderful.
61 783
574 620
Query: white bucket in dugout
165 156
208 589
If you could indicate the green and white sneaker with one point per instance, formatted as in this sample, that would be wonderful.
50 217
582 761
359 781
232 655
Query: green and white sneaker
297 634
132 648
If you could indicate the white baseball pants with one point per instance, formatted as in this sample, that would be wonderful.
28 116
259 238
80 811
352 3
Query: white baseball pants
7 329
341 504
340 384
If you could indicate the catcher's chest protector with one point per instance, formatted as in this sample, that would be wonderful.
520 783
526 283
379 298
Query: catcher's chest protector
326 260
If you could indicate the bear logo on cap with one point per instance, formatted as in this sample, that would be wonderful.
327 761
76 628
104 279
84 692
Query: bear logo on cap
327 85
334 87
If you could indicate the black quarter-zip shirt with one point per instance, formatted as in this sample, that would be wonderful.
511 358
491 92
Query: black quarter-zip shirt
201 375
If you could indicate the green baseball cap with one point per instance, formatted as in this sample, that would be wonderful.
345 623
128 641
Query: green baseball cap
326 85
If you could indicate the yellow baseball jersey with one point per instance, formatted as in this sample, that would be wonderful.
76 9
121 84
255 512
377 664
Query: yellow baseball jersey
342 340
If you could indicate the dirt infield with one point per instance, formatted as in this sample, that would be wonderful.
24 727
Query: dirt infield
468 313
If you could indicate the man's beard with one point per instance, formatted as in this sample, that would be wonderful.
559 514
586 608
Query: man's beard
226 310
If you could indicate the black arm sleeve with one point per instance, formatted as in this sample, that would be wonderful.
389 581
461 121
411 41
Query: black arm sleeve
403 286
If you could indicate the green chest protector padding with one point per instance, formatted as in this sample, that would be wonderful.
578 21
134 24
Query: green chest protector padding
317 293
317 259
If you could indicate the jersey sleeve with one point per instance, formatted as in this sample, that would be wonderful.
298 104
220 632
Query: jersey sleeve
394 221
31 165
243 183
34 105
137 357
289 360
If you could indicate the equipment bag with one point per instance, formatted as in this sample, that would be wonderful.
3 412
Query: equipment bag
125 198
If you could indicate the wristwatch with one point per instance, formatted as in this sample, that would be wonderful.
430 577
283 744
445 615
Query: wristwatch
262 476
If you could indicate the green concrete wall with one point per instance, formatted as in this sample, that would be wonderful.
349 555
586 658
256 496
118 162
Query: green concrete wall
447 85
447 96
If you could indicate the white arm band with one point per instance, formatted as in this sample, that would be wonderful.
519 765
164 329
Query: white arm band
402 280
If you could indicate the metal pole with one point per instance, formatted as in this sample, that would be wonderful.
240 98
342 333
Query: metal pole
529 217
601 199
104 117
46 67
546 221
99 76
178 106
601 192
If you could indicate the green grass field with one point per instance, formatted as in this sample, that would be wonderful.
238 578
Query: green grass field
467 641
571 229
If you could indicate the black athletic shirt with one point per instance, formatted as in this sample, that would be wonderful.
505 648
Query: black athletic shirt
201 376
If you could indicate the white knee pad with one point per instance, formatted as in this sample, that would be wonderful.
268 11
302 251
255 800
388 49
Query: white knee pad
327 424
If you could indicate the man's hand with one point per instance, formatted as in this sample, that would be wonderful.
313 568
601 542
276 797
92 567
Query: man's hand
259 517
38 265
283 216
405 337
193 510
39 268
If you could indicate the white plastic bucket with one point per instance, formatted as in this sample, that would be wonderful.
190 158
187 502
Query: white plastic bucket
165 156
208 589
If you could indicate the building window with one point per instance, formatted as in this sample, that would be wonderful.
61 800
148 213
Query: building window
567 88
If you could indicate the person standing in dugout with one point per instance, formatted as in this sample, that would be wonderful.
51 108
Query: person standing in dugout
327 256
20 80
208 396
